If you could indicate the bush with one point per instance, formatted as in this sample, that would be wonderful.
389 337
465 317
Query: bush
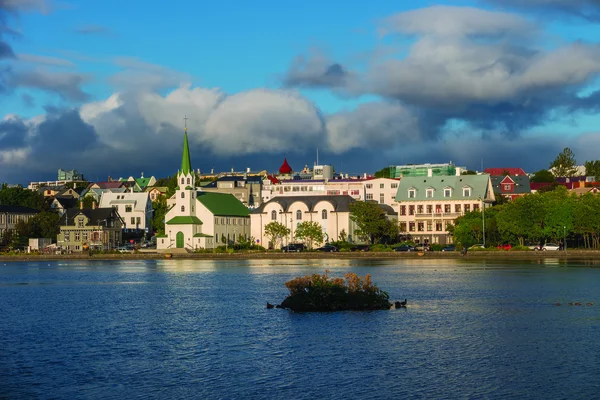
436 247
321 293
381 248
520 248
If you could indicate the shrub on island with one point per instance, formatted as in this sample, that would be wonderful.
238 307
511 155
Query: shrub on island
322 293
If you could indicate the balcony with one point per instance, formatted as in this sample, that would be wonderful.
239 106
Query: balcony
451 215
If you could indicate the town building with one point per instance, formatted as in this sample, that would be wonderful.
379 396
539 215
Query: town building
69 175
223 217
90 229
511 186
247 189
134 208
447 169
139 184
427 206
10 216
72 177
156 191
504 171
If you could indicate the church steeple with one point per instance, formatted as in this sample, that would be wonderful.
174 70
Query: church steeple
186 164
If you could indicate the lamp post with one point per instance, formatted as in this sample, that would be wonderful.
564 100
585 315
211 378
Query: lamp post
483 218
564 238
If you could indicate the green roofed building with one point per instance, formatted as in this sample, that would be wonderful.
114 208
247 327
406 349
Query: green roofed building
402 171
428 205
199 220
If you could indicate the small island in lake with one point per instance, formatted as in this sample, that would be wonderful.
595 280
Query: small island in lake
322 293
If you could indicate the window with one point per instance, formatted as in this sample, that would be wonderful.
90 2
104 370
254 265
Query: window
324 214
369 196
420 209
429 209
138 220
369 186
84 235
234 221
466 192
381 185
475 207
128 208
507 187
188 181
438 208
411 210
80 223
132 220
412 193
182 208
223 220
402 210
394 186
67 236
298 215
273 215
382 198
457 208
216 221
182 181
77 237
467 208
429 193
447 208
421 227
402 226
216 238
438 226
182 195
447 192
192 195
411 226
429 226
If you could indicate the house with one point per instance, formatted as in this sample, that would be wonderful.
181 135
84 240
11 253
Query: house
331 212
223 216
511 186
381 190
96 193
9 217
69 175
51 191
504 171
90 228
106 185
134 208
183 228
60 204
139 184
428 205
247 189
156 191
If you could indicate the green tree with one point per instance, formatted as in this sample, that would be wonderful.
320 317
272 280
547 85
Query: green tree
383 173
586 219
19 196
500 199
371 221
469 172
159 207
275 232
542 175
564 164
592 168
43 225
309 231
170 182
88 201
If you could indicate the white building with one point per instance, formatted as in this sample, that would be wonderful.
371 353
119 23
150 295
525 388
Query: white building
134 208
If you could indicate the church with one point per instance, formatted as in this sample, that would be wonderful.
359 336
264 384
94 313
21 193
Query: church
183 228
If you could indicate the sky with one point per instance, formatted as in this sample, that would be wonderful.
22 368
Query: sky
103 87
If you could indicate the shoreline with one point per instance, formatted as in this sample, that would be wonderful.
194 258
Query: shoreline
474 255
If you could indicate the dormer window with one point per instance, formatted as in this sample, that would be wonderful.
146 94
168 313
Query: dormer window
447 192
466 192
429 193
412 193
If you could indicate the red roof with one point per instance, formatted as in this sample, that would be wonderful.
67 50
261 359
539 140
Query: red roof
285 167
273 179
502 171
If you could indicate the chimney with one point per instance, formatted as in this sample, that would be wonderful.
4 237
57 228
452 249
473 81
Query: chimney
94 205
109 179
142 174
248 170
81 205
429 172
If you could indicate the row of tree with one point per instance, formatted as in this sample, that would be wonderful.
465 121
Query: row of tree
532 219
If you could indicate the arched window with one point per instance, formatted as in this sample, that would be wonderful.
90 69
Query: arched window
188 181
182 195
182 208
273 215
182 181
298 214
324 214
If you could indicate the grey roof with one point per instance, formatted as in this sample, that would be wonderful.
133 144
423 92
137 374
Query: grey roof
339 203
94 215
66 201
389 210
480 185
522 184
18 210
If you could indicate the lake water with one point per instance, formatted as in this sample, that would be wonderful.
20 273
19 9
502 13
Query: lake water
199 329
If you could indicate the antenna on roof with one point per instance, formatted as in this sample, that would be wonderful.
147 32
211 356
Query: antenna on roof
317 156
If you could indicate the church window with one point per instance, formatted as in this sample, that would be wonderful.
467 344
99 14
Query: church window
182 195
273 215
298 215
188 181
182 208
182 181
324 214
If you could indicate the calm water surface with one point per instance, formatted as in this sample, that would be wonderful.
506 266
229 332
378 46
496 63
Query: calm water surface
200 329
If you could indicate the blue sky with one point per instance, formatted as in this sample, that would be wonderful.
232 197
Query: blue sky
369 83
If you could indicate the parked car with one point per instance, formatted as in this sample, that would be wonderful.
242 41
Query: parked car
450 247
328 248
476 247
360 247
293 247
422 247
404 247
124 249
505 246
551 246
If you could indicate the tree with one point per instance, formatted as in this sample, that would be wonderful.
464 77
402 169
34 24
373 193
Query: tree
564 164
88 201
592 168
469 172
543 175
43 225
309 231
19 196
383 173
170 182
371 220
160 211
275 232
500 199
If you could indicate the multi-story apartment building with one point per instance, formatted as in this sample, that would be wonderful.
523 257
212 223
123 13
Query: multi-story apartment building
134 208
83 229
428 205
9 217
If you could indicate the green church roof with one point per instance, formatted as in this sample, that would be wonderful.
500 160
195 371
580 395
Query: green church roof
184 220
224 204
202 235
186 164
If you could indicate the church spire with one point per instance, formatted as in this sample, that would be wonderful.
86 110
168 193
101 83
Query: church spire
186 164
